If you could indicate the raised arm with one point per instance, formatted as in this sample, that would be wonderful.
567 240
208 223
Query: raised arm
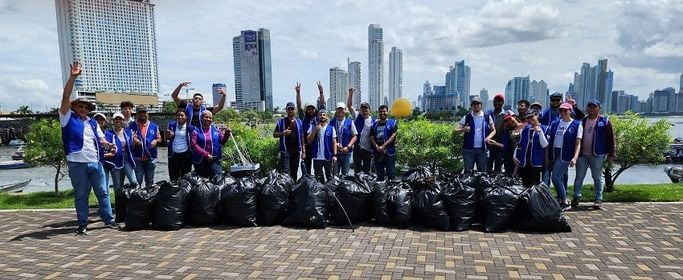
69 87
321 98
221 103
349 102
176 91
297 89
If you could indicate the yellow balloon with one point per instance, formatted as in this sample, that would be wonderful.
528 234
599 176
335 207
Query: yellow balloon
401 108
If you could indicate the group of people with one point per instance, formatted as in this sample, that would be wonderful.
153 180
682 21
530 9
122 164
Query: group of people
540 145
129 149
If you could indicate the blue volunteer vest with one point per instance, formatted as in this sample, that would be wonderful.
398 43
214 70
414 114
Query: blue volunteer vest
389 129
345 138
147 142
537 152
172 127
72 135
188 112
119 157
299 131
568 140
600 135
468 143
360 123
216 150
327 142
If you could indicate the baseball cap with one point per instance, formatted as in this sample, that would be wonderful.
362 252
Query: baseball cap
475 99
100 115
202 96
500 96
593 102
117 115
567 106
322 111
365 105
85 101
536 104
141 108
509 115
555 95
309 105
530 113
290 105
341 105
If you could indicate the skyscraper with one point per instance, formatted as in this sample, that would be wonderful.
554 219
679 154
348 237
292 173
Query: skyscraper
484 96
458 82
681 84
516 90
375 65
115 41
395 74
214 93
339 84
253 74
594 83
355 81
538 92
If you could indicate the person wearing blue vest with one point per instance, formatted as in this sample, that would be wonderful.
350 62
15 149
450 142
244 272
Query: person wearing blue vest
196 108
101 121
146 137
495 159
120 163
565 137
362 151
383 138
179 147
309 117
323 139
289 130
82 139
346 138
530 152
207 143
479 129
598 144
553 114
508 141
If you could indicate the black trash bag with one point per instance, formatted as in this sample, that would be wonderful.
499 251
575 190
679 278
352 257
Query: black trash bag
355 196
461 203
307 204
500 202
480 181
202 201
428 207
418 176
273 198
169 208
140 207
379 203
399 195
121 199
238 202
538 211
369 179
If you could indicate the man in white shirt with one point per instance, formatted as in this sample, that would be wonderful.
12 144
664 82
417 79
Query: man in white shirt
323 139
479 129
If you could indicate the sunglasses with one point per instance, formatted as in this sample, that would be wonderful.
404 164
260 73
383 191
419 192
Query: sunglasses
555 99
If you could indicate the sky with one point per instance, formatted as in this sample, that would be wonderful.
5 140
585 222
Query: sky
548 40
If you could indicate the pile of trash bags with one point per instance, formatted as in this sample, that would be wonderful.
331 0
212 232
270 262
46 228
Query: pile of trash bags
492 203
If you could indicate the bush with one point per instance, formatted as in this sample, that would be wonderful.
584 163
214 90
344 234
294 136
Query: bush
258 143
423 143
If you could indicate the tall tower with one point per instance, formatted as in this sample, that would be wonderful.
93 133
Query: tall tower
355 81
681 84
395 74
253 73
375 65
339 82
115 41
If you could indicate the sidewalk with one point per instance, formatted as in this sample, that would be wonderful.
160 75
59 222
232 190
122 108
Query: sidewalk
622 241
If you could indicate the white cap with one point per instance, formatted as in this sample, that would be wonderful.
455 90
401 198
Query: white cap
341 105
100 115
118 115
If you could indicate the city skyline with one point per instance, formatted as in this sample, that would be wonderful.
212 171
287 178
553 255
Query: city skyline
548 41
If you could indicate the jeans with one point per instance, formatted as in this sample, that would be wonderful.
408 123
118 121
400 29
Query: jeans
86 176
559 169
209 169
343 164
388 165
289 163
179 164
478 156
308 161
118 175
362 160
144 169
548 175
323 170
582 164
495 160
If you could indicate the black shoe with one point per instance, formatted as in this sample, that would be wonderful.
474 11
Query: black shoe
82 230
564 207
113 225
575 202
597 204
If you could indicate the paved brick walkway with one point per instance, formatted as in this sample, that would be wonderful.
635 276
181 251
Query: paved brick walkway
624 241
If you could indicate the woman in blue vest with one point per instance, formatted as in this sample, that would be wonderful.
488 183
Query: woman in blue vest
530 153
479 128
179 147
120 162
290 132
565 137
323 139
206 147
346 138
383 137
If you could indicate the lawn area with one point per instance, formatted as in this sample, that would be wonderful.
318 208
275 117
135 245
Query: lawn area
44 200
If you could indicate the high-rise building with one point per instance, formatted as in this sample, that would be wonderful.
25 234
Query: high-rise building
375 65
680 89
458 82
594 83
115 41
538 92
484 96
354 82
439 100
517 89
664 101
253 73
215 95
395 74
339 84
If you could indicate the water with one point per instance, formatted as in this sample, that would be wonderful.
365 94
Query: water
42 178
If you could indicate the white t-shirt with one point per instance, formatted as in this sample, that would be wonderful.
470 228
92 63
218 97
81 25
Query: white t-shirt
340 131
364 140
321 144
561 128
478 119
89 152
180 139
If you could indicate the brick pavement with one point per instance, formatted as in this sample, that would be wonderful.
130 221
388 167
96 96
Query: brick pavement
624 241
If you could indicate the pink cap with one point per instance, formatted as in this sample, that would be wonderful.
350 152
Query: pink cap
499 96
567 106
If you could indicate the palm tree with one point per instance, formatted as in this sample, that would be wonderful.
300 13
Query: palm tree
24 110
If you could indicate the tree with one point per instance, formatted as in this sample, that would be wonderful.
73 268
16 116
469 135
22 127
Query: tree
169 107
421 142
258 143
638 142
45 146
226 115
24 110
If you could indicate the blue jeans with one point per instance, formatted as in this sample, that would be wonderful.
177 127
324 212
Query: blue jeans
582 164
343 164
559 169
144 170
478 156
86 176
388 166
118 176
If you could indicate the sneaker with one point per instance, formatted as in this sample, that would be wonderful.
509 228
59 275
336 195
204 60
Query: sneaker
575 202
82 230
565 206
597 204
113 225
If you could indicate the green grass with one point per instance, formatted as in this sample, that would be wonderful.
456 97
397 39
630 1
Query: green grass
44 200
633 193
